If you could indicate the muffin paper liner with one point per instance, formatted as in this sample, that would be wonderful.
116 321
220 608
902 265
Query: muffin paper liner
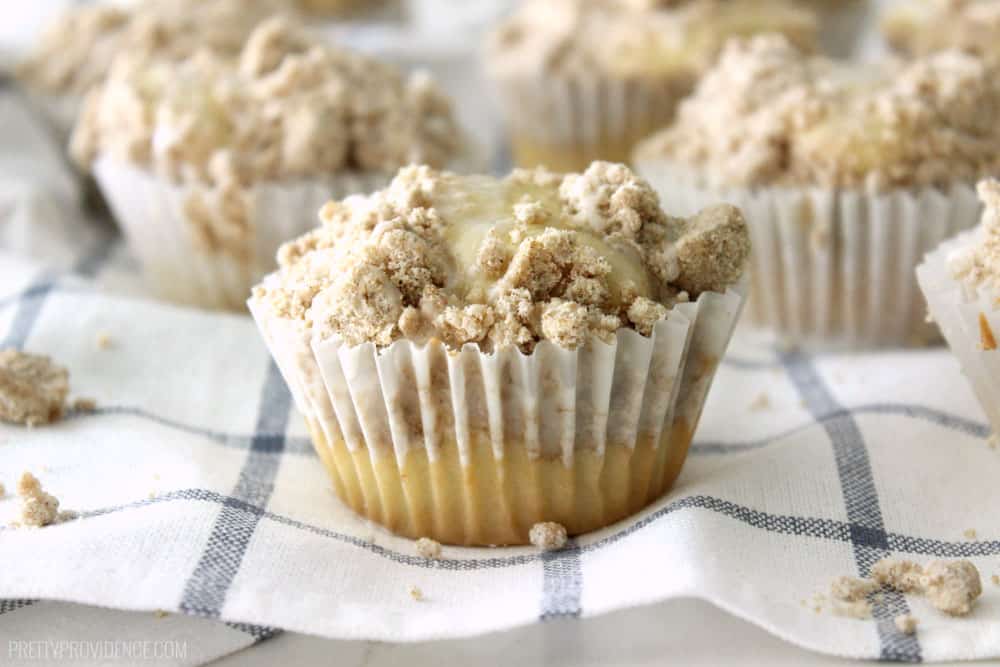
151 213
58 111
474 448
832 268
565 122
962 313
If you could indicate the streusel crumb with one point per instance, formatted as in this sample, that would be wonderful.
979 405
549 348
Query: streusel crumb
38 508
906 623
950 586
901 575
104 341
3 490
33 388
978 265
476 260
852 589
428 548
548 536
85 405
416 593
766 115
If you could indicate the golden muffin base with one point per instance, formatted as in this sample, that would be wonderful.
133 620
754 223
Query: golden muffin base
529 153
491 501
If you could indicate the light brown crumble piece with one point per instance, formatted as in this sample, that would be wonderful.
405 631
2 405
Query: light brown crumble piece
901 575
978 264
952 586
852 589
416 593
548 536
502 262
761 402
28 485
906 623
85 405
39 508
3 490
104 341
857 609
159 613
428 548
969 533
33 388
995 579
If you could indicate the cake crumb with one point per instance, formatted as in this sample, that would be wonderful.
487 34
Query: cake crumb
85 405
858 609
901 575
986 339
548 536
993 441
104 340
970 533
39 508
762 402
28 485
3 490
33 389
952 586
416 593
428 548
159 613
906 623
852 589
995 579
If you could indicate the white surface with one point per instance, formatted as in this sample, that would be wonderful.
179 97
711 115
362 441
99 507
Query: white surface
681 632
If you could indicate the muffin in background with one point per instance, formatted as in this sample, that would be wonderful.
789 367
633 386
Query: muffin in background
920 27
842 25
75 52
477 355
585 79
961 281
210 163
847 173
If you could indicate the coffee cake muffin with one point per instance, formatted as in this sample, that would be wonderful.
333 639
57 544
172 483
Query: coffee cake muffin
961 281
75 52
847 174
920 27
210 163
585 79
475 356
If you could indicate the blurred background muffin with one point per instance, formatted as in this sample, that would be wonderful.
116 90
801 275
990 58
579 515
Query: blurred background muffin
585 79
847 173
919 27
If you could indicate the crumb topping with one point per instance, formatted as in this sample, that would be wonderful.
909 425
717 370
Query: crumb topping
636 37
473 259
548 536
38 508
920 27
906 623
978 265
75 52
33 388
950 586
428 548
285 106
767 115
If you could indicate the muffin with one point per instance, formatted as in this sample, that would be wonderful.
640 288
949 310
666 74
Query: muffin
961 281
210 163
847 174
75 52
920 27
585 79
475 356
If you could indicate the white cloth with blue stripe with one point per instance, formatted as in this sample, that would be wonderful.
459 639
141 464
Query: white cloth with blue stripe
199 493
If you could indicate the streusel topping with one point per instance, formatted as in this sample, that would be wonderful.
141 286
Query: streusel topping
978 265
767 115
33 388
76 51
919 27
287 107
474 259
637 37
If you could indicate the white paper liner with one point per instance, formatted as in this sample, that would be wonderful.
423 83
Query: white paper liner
583 115
832 269
58 111
956 309
553 402
150 211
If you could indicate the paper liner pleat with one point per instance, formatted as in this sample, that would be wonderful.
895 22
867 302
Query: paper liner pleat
151 212
474 448
832 268
956 308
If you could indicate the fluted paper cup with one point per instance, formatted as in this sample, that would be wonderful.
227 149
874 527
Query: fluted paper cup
473 448
565 122
209 262
969 320
832 268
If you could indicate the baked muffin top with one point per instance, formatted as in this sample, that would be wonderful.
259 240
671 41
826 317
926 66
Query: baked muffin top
978 265
75 52
502 262
634 38
767 115
919 27
286 106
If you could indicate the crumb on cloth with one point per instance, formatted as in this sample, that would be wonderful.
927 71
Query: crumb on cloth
906 623
39 508
33 388
548 536
428 548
